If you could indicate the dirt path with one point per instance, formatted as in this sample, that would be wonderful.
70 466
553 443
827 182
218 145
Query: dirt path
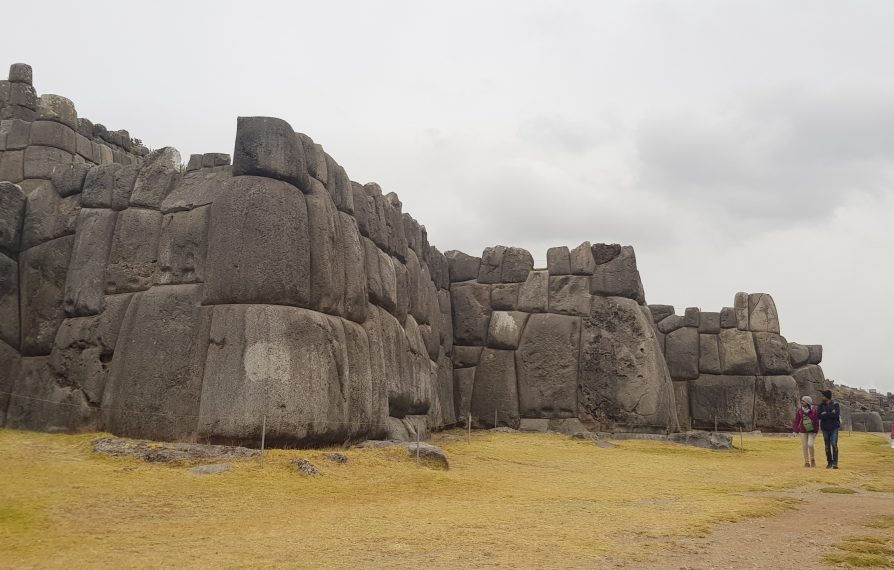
783 541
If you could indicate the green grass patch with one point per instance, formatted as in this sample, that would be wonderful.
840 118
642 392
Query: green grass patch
838 490
852 560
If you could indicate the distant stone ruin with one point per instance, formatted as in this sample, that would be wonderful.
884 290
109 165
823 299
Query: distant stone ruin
158 301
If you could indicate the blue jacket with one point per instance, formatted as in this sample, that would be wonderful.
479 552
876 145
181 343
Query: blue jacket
830 416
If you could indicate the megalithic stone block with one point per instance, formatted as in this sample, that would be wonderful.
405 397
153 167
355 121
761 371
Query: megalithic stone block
12 214
266 146
495 390
546 362
558 261
85 282
762 315
10 330
517 263
42 272
462 267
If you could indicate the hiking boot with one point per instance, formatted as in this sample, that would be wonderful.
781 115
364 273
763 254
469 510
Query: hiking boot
829 466
834 467
812 463
806 464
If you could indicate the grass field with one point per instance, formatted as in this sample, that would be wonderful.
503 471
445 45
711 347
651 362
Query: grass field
508 500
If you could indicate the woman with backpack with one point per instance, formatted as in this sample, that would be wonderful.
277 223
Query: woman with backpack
807 424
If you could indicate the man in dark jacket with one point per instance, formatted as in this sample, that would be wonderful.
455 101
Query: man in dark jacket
830 423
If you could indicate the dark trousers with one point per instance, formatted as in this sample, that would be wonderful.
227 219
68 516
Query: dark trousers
830 436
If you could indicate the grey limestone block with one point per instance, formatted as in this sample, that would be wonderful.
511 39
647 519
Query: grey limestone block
351 251
68 179
471 313
266 146
798 354
15 134
463 386
691 317
619 277
491 267
20 73
546 363
682 353
709 322
23 95
195 162
42 273
681 398
504 296
57 108
660 312
10 329
39 161
623 378
569 295
517 263
315 157
810 379
558 261
670 323
709 354
339 186
47 214
737 353
374 284
85 281
57 135
505 329
10 369
440 270
533 296
12 166
182 247
109 186
214 159
364 208
133 255
495 391
388 274
772 354
741 308
84 148
581 258
158 365
774 398
466 356
605 252
85 127
762 315
156 178
461 266
259 248
194 189
728 399
727 318
13 203
815 353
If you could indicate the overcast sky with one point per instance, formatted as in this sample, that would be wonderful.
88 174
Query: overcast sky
739 146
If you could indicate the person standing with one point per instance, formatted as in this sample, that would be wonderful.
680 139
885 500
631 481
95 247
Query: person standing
807 424
830 423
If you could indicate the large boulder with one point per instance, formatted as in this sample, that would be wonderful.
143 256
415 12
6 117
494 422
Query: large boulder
775 403
569 295
546 363
12 211
10 327
534 293
463 383
356 293
517 263
866 421
811 380
109 186
267 146
133 255
155 383
581 258
40 402
48 215
471 313
462 267
10 368
505 329
182 247
258 245
772 353
85 283
660 312
619 277
740 307
798 354
681 399
623 378
558 261
762 315
681 349
737 353
495 391
504 296
42 273
491 268
726 400
156 178
709 354
814 353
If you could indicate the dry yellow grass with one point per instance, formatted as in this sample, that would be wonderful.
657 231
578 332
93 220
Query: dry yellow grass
509 500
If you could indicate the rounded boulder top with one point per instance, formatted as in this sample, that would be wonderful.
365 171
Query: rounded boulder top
20 73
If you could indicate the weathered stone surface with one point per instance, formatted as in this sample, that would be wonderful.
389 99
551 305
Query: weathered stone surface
866 421
57 108
517 263
762 315
775 398
356 292
660 312
741 310
69 179
266 146
495 392
315 158
327 270
134 251
533 296
772 353
10 329
669 324
703 439
546 363
182 247
56 135
39 161
569 295
618 277
156 178
10 367
728 399
558 261
12 214
491 268
471 313
12 166
20 73
605 252
505 329
402 280
197 188
414 271
814 353
47 215
428 455
109 186
388 275
339 186
15 134
504 296
85 282
709 322
258 244
709 354
623 377
462 267
682 353
84 348
811 380
408 389
374 286
39 402
155 383
42 274
798 354
681 398
466 356
691 317
728 318
445 305
442 414
737 353
581 258
463 385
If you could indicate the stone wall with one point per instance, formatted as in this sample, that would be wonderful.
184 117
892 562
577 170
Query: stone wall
733 367
572 341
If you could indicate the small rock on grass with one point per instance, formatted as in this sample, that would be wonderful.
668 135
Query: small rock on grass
305 467
211 469
429 455
336 457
